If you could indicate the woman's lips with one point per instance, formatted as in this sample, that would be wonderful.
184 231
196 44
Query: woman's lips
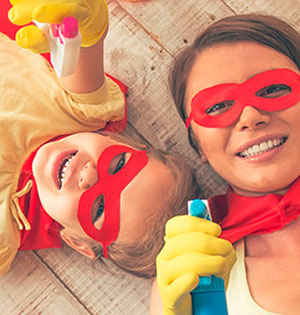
263 149
261 144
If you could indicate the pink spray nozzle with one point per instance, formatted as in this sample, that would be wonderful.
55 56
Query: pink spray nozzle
69 27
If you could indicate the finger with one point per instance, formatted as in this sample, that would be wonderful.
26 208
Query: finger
183 285
14 2
56 12
185 224
228 264
21 12
178 297
202 265
33 38
198 242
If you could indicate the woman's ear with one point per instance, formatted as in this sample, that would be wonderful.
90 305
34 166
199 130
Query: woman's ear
78 244
203 157
196 146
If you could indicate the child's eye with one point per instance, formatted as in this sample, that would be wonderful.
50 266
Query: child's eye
219 108
274 91
118 162
97 208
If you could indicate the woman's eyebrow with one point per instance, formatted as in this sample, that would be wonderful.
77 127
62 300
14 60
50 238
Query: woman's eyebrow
260 73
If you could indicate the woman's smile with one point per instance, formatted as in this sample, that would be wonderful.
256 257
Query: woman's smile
262 149
259 151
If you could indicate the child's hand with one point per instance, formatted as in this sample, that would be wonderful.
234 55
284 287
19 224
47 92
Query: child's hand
92 16
192 249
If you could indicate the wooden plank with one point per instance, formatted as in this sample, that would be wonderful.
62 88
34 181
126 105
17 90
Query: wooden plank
30 288
173 24
287 10
143 64
102 292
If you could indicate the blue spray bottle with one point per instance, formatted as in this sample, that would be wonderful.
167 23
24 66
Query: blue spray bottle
209 296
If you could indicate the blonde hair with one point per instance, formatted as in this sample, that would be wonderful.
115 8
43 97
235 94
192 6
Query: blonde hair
138 258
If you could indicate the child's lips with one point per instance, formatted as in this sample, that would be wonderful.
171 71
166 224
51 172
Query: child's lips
61 170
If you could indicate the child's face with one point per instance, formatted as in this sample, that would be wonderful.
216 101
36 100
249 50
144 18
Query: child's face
266 171
60 197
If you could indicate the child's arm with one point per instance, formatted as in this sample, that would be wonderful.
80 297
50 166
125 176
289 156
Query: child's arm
192 249
89 75
92 17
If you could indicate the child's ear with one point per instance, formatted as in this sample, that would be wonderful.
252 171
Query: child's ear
79 245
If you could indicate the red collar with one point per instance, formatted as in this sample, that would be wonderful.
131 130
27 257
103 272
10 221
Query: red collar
44 231
240 216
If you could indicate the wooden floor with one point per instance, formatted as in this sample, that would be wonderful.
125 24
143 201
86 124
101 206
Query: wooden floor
142 42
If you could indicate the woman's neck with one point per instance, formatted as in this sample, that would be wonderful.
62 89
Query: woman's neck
282 242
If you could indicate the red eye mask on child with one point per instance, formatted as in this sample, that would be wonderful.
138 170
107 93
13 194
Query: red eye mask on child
221 105
106 193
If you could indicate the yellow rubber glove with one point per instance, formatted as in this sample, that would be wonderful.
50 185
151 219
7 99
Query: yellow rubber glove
92 16
192 249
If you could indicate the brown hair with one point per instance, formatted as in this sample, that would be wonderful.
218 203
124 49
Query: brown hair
263 29
138 258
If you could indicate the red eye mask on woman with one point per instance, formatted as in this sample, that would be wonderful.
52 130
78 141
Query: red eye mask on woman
106 193
221 105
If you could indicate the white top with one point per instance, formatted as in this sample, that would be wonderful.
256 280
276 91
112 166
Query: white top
239 299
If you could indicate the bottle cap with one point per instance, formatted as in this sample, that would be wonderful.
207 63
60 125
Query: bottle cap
69 27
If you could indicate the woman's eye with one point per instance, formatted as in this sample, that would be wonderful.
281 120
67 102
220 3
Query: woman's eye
274 91
98 209
219 108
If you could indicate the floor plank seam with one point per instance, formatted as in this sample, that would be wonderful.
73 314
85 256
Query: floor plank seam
224 2
61 281
153 37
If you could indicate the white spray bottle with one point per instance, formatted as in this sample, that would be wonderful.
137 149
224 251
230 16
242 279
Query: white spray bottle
64 42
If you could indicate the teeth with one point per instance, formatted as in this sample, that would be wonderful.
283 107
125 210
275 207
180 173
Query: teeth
261 147
63 168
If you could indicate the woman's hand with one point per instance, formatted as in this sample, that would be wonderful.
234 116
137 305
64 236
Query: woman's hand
192 249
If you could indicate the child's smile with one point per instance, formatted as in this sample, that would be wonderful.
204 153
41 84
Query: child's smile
67 169
62 168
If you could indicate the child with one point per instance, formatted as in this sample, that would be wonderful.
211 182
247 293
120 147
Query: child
56 174
237 88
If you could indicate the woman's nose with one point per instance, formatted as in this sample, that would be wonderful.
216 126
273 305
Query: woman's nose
88 176
252 118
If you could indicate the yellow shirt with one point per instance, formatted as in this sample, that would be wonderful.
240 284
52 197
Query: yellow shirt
34 108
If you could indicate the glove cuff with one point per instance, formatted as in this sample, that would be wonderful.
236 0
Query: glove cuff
102 17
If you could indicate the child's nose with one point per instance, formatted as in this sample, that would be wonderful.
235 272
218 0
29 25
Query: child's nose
252 118
88 176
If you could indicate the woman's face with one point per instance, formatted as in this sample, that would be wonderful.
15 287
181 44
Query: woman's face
66 168
261 172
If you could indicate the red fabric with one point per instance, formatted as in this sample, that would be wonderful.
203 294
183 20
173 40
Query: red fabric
120 125
110 187
209 109
10 30
255 215
44 231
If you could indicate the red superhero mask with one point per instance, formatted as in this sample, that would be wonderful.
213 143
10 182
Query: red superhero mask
221 105
105 194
